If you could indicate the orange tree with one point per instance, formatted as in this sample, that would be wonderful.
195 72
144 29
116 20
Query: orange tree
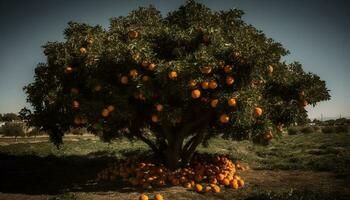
173 82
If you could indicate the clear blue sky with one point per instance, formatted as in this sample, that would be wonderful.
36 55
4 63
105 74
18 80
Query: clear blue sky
315 31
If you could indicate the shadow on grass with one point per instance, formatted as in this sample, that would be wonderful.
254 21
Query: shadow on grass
30 174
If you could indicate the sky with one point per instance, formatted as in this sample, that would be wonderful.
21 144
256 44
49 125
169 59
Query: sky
315 31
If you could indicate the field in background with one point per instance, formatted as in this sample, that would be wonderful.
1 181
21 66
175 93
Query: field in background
308 166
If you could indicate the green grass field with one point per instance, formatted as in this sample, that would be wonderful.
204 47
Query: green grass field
69 173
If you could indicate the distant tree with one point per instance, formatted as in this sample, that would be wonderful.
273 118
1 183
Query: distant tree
10 117
13 129
1 117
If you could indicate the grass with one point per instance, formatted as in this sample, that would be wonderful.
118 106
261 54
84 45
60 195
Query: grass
41 168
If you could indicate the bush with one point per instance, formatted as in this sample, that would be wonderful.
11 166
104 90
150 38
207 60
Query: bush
341 129
307 129
13 129
316 128
328 129
293 131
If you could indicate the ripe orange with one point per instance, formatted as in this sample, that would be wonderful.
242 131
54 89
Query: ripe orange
227 69
68 70
158 197
240 183
155 118
214 103
110 108
105 112
143 197
124 80
234 184
172 75
258 111
192 83
224 118
196 93
213 84
133 73
133 34
205 85
229 80
215 188
232 102
152 67
199 187
75 104
159 107
268 136
145 78
82 50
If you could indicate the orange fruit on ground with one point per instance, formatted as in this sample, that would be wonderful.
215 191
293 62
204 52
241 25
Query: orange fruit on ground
82 50
198 187
240 183
124 80
105 112
196 94
110 108
215 188
75 104
152 66
145 78
213 84
133 34
258 111
270 69
227 69
206 70
159 107
232 102
226 182
172 75
192 83
187 185
205 85
68 70
224 118
143 197
214 103
158 197
229 80
133 73
234 184
155 118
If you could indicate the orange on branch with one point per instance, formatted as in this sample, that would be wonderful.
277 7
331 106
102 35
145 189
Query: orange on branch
232 102
205 85
196 93
124 80
145 78
151 66
75 104
159 107
133 73
258 111
206 70
213 84
110 108
192 83
105 112
229 80
228 69
155 118
224 118
268 135
82 50
68 70
172 75
214 103
133 35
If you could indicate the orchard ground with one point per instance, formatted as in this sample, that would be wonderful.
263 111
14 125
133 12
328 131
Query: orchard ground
303 166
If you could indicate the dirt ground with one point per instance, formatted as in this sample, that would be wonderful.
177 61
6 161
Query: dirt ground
268 180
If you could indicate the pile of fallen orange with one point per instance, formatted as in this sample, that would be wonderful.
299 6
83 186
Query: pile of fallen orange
204 174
